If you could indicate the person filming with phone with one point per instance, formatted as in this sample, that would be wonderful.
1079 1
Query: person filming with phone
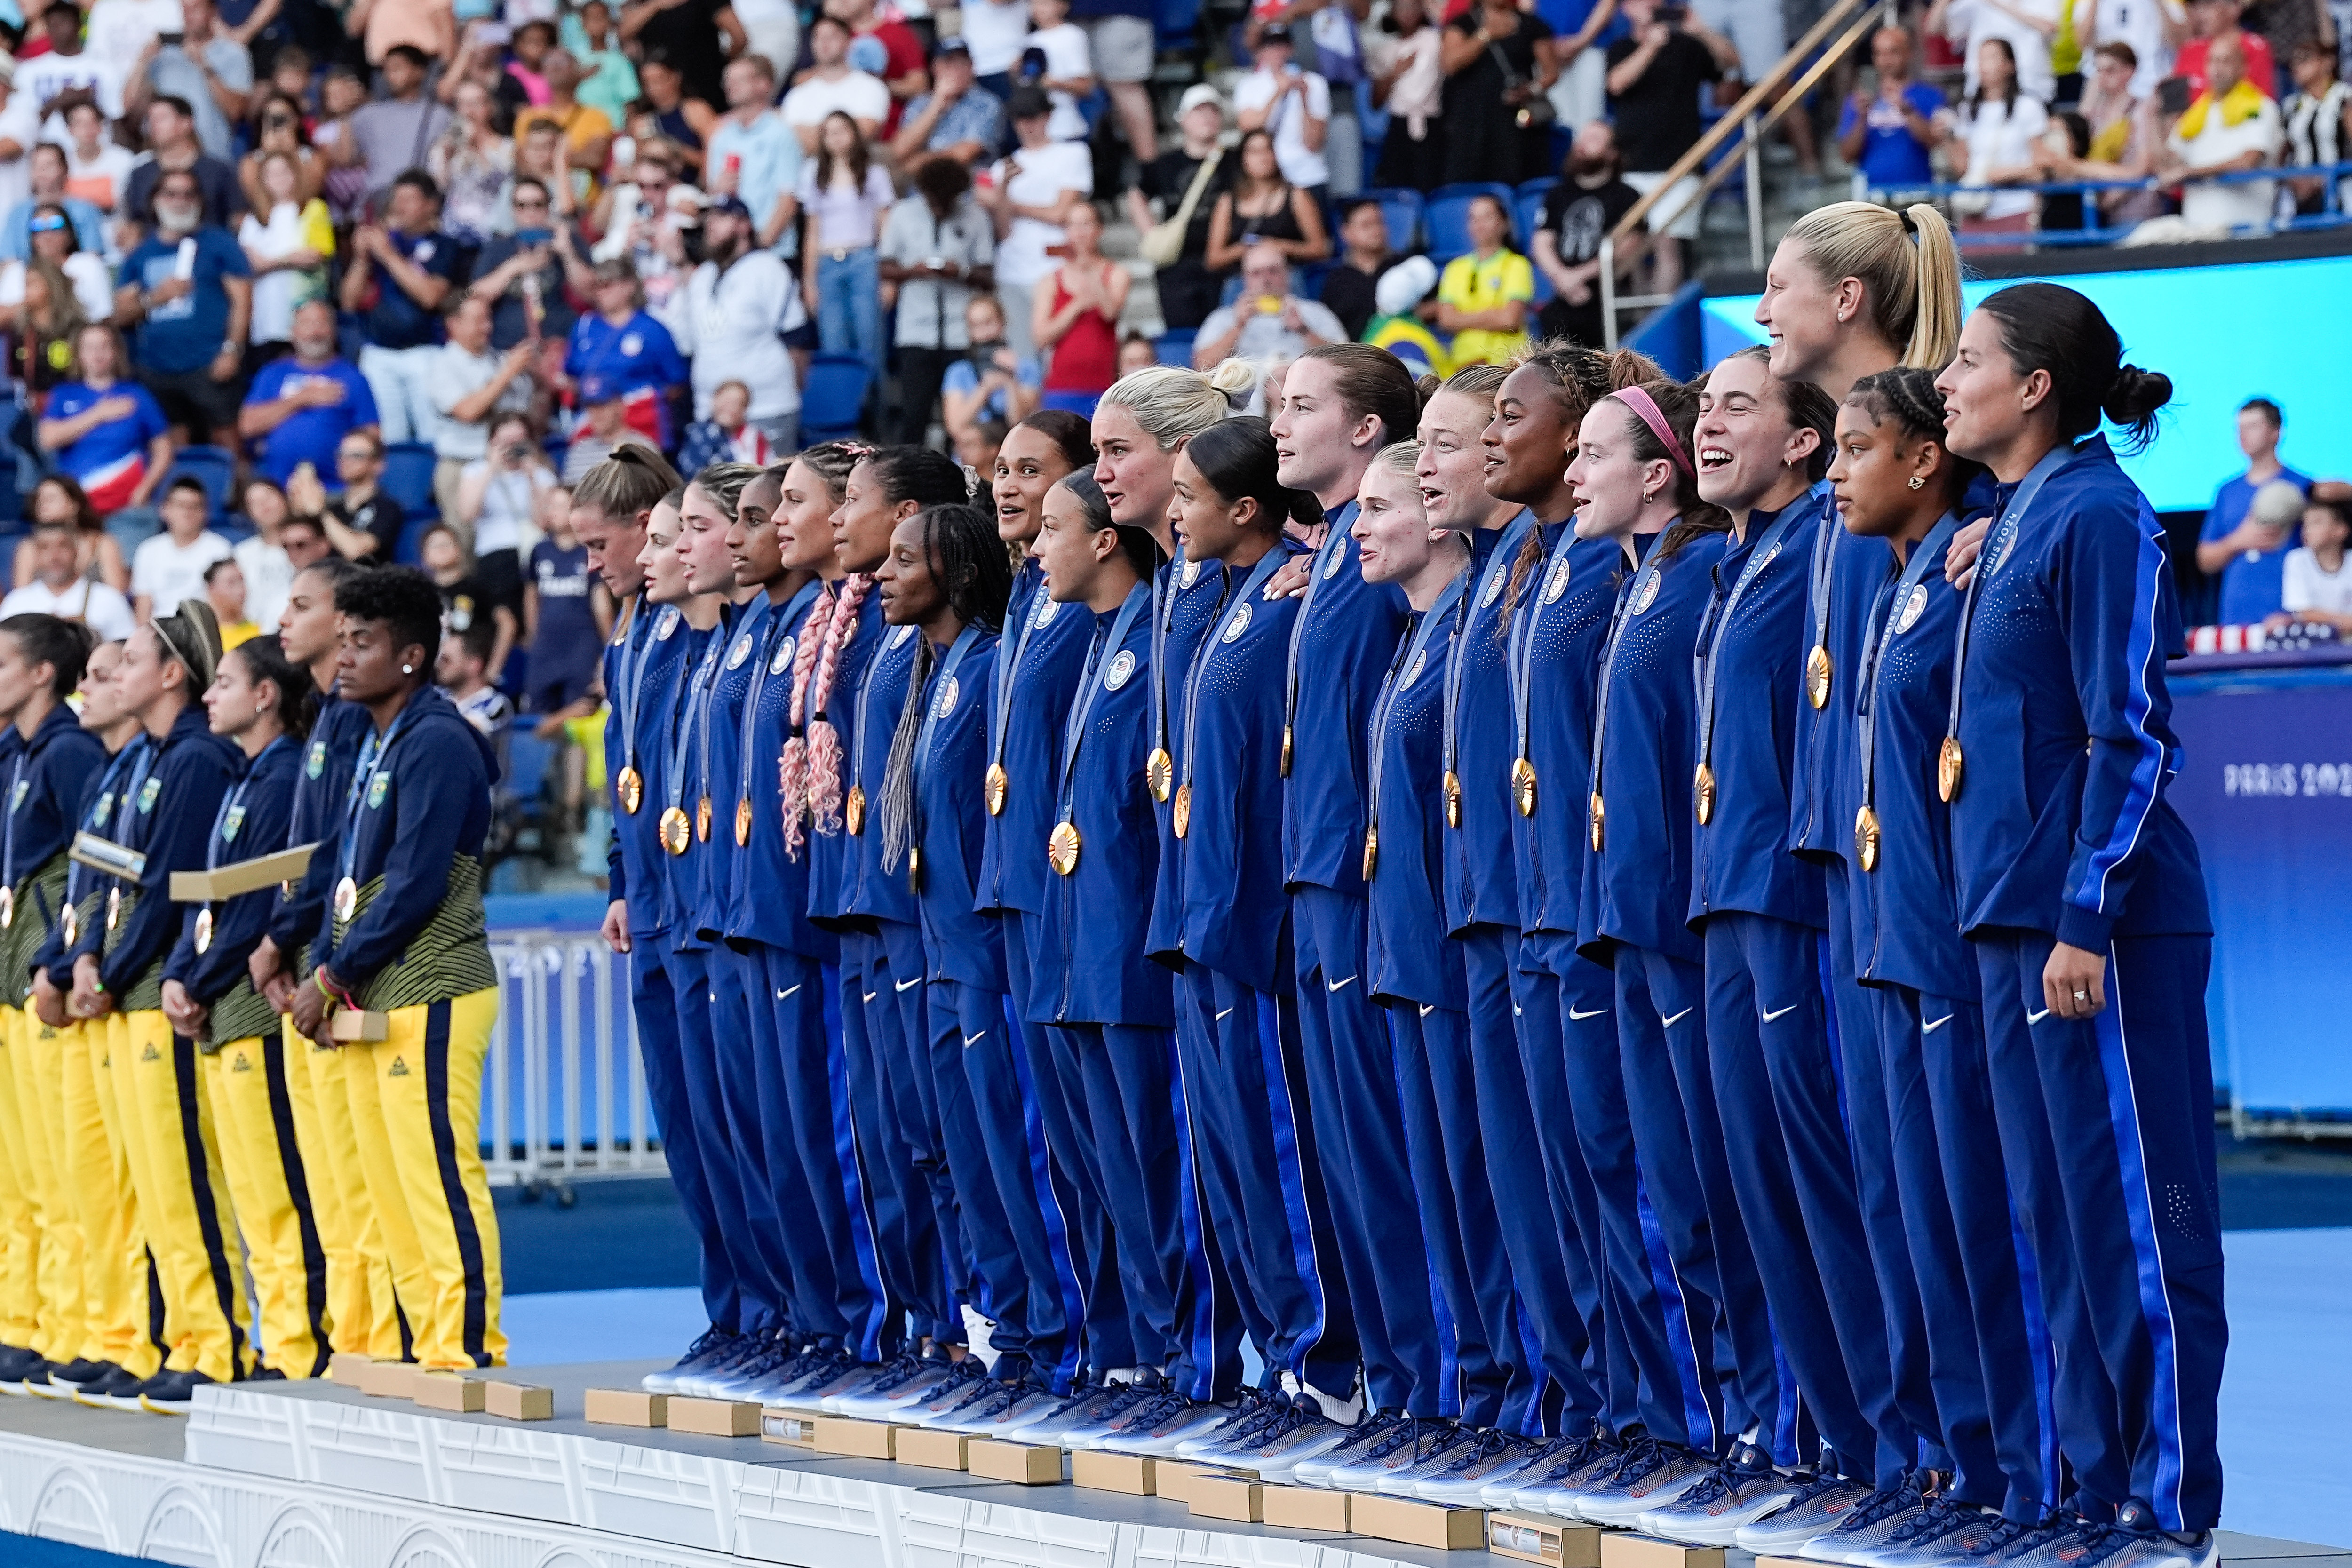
1268 323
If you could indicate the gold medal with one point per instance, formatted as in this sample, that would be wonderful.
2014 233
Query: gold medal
1950 766
70 924
1452 798
702 820
914 869
347 899
114 907
1285 750
1600 822
1865 838
1158 773
993 787
204 930
1372 851
630 789
1184 812
7 908
1523 785
853 810
1816 677
677 833
742 822
1061 848
1703 794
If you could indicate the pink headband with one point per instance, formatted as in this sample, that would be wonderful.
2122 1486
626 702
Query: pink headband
1643 403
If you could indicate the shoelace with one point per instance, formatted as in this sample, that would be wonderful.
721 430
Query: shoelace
897 1373
1124 1397
1255 1411
1642 1456
957 1388
1490 1443
1808 1490
1374 1429
1165 1403
709 1339
1580 1453
1080 1392
2008 1532
1942 1516
1878 1505
1718 1483
1406 1430
2101 1541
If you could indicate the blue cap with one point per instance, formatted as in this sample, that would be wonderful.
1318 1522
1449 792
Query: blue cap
730 204
594 389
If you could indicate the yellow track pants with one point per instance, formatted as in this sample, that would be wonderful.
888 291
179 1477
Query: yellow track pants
184 1202
36 1055
362 1309
125 1325
253 1101
20 1208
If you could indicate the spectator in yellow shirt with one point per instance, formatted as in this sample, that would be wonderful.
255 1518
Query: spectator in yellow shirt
225 588
1485 297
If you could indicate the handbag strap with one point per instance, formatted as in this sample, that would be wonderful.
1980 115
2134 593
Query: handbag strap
1511 79
1193 193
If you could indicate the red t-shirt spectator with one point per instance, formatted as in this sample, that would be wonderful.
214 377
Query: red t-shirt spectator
2262 68
905 53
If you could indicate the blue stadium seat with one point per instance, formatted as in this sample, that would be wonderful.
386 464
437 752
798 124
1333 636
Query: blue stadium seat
215 468
408 478
1403 209
833 396
410 551
1538 187
1447 216
1176 348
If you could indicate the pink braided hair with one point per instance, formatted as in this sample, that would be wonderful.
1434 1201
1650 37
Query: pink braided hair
792 768
823 739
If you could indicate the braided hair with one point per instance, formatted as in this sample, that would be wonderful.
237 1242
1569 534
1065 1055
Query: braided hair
1584 377
725 483
966 559
1907 395
831 624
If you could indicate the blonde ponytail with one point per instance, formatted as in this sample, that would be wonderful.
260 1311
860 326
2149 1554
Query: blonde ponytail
1935 258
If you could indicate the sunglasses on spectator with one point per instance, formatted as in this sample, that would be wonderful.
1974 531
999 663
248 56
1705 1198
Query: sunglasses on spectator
48 223
355 455
524 203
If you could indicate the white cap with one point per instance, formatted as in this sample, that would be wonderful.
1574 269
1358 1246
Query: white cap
1406 285
1198 93
2277 504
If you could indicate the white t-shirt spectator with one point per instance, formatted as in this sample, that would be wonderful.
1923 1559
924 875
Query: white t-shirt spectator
844 216
119 29
2208 204
857 95
1970 22
2000 136
510 505
995 33
104 180
1301 165
93 284
729 322
87 599
20 122
2308 587
2141 24
455 377
44 77
167 572
1043 175
268 580
1067 56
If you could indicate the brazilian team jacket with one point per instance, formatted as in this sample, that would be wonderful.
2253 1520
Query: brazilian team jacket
85 889
253 814
1036 671
1753 647
960 941
830 853
1088 967
313 817
1637 888
1478 885
1557 631
868 892
2061 825
414 831
48 776
645 673
167 816
1405 741
768 890
1220 900
1342 637
1904 922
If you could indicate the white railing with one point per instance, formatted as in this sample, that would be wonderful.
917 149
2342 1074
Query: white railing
563 1088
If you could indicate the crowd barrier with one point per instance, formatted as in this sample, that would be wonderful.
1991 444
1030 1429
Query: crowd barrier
563 1088
2096 233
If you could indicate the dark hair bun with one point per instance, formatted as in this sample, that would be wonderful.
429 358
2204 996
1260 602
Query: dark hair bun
2134 396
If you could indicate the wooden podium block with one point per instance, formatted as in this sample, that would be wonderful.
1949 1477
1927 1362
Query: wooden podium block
627 1407
1305 1508
1227 1497
1418 1523
1134 1474
387 1380
1618 1550
857 1439
933 1451
715 1417
447 1391
346 1367
518 1401
1024 1464
1786 1563
358 1026
1175 1480
1539 1538
797 1427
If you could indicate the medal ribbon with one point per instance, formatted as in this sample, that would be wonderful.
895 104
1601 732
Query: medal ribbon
1164 589
1631 592
1995 544
1267 566
128 757
1522 647
865 687
1926 550
1335 539
1825 569
1704 663
1465 615
377 747
1008 668
946 672
779 621
637 652
697 710
229 802
1090 686
8 835
1439 614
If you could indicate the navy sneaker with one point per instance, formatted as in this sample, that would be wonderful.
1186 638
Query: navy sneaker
1005 1410
1744 1489
1871 1524
118 1390
16 1364
1415 1438
1945 1530
1254 1413
1498 1456
65 1382
1820 1503
1653 1475
171 1393
2132 1541
1292 1437
1157 1427
1362 1437
902 1384
712 1345
741 1379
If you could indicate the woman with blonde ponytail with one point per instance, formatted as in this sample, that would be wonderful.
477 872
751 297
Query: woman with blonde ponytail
1856 289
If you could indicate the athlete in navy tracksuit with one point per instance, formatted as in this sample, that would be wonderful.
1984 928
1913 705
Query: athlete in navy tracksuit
2080 886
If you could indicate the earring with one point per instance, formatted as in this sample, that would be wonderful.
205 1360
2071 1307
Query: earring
1649 498
408 669
1917 483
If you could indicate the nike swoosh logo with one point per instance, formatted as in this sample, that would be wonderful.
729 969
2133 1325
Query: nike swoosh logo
1580 1017
871 994
1790 1009
1342 985
1425 1012
782 994
1931 1028
1670 1023
969 1038
906 985
1221 1017
2037 1017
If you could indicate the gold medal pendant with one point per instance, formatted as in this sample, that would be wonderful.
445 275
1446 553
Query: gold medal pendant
993 787
1183 810
630 789
702 820
69 924
1285 750
677 833
1372 851
853 810
742 822
7 908
1452 798
1158 773
1816 677
1703 794
347 899
1865 838
114 907
1061 848
203 930
1950 767
1600 823
914 869
1523 786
